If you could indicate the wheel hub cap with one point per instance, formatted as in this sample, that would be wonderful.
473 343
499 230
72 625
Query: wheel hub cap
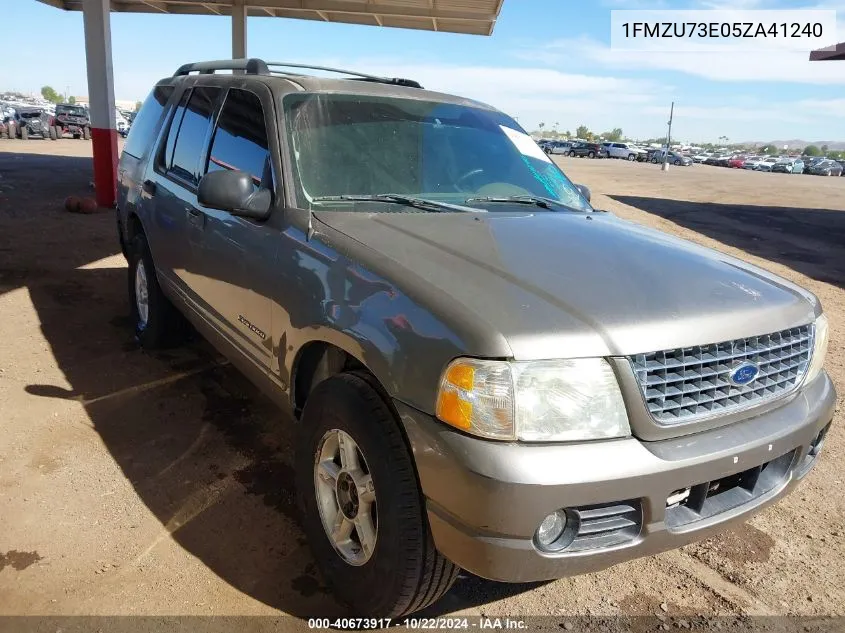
346 497
142 299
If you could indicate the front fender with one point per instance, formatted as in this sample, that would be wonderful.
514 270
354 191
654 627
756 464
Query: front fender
328 294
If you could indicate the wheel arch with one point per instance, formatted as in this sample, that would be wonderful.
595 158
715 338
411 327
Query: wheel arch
332 353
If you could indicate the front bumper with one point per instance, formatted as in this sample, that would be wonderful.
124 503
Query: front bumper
486 499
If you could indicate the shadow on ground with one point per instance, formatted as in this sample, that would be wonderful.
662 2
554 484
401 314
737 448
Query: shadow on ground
204 451
807 240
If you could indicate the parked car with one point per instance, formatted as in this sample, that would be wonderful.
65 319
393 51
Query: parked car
826 168
767 163
811 161
31 121
674 158
72 119
701 157
587 150
789 166
442 425
622 150
121 123
737 161
558 147
751 162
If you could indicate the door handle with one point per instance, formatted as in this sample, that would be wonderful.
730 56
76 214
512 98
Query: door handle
149 187
196 217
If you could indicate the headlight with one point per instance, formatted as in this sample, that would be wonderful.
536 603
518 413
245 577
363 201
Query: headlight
819 348
534 401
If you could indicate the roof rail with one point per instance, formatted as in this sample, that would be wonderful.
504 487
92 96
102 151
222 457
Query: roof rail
251 66
398 81
255 66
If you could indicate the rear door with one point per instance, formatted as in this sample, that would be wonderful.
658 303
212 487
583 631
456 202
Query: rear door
133 195
234 255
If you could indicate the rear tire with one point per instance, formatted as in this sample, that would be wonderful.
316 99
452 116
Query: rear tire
631 157
591 155
404 572
572 154
158 324
52 133
86 134
12 131
24 133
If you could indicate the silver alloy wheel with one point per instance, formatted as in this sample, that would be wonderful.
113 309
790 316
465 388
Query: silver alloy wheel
142 296
346 497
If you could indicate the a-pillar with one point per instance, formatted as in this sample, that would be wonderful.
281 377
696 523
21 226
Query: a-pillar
101 98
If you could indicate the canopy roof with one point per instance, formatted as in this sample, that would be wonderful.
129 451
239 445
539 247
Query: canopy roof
477 17
829 54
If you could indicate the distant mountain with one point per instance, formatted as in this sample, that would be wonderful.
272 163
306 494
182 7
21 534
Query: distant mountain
798 143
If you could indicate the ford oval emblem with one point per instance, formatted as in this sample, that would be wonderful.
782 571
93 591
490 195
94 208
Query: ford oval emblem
743 374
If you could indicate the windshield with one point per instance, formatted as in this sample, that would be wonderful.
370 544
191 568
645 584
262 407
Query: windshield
72 110
30 115
360 145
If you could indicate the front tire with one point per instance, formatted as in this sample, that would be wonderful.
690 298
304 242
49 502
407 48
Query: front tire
157 323
24 133
572 154
350 439
86 134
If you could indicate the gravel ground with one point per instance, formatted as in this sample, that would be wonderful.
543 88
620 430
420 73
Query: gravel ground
159 484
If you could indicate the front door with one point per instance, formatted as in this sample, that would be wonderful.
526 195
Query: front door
235 255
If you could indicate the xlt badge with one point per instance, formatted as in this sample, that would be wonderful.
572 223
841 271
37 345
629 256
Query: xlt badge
251 327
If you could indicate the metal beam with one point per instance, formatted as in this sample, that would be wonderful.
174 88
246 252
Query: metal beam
239 30
211 8
156 4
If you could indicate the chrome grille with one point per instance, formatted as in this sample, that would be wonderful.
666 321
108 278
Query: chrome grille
691 383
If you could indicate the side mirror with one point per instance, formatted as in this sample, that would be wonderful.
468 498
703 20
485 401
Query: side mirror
585 191
234 191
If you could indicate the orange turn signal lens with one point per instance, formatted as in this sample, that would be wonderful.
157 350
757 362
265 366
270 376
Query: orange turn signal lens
454 410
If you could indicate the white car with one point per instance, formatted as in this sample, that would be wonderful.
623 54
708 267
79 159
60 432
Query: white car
752 162
628 151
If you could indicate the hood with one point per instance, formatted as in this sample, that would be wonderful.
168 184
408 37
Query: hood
559 285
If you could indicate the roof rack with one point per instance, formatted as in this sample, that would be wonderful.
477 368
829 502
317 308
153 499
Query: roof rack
255 66
250 66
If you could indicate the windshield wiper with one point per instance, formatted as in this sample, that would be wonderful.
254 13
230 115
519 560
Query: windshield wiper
537 201
395 198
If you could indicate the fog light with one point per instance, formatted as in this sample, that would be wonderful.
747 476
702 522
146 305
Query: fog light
551 529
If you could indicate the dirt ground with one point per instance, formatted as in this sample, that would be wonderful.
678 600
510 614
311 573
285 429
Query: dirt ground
160 484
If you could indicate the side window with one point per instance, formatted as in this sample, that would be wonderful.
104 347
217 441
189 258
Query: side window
192 132
144 124
165 159
240 139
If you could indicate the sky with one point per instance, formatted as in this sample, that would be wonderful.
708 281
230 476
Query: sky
548 61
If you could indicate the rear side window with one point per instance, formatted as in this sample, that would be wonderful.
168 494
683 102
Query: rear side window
240 140
145 122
